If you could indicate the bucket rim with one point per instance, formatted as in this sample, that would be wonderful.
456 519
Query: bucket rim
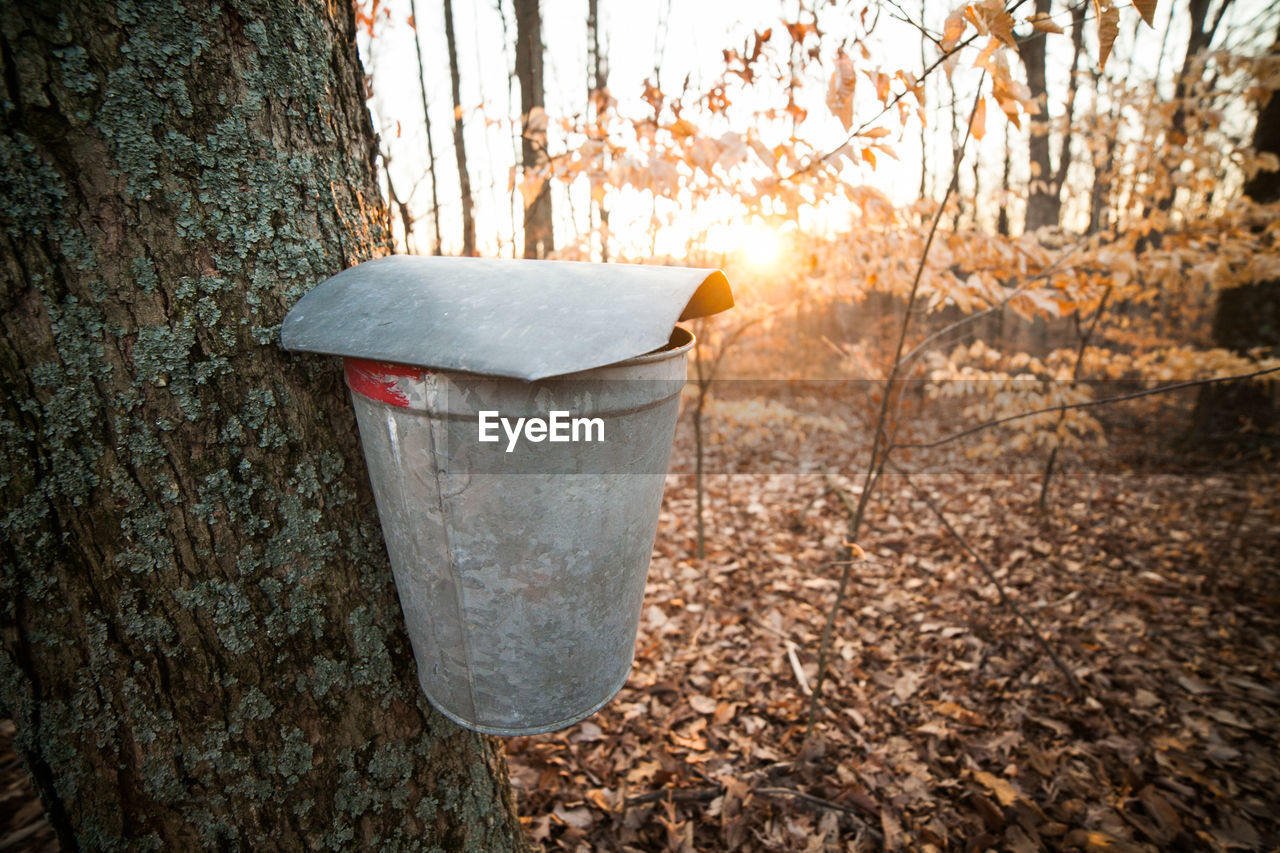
680 342
521 731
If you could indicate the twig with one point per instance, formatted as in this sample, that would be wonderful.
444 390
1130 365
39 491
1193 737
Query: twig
796 668
892 102
907 19
991 576
832 486
677 795
1075 377
814 801
699 794
1162 389
924 345
704 379
876 464
703 795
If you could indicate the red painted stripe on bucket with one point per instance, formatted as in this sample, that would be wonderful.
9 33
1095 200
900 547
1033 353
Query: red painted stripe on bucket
377 379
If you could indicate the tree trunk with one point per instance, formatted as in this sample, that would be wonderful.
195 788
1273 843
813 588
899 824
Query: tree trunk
1200 36
1246 317
924 129
201 644
426 123
459 143
977 184
1059 178
1002 220
598 105
1101 206
397 204
955 147
1043 201
533 145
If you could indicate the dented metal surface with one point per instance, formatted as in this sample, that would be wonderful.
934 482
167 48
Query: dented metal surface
521 575
524 319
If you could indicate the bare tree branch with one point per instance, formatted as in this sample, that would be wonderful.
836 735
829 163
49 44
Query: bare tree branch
877 462
1104 401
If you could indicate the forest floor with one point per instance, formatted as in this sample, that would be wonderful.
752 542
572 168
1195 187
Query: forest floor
22 823
1152 575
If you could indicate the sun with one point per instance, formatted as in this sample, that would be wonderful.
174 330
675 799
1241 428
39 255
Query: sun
759 245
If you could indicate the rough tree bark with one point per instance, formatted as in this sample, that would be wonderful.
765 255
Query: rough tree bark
459 141
200 642
533 145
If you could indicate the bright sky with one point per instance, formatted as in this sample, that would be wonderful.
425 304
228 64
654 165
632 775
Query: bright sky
633 34
689 38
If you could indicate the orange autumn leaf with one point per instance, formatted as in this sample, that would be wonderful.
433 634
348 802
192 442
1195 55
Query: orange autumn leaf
882 82
1044 23
952 30
991 18
840 91
682 128
530 186
1108 29
1147 9
978 126
1004 792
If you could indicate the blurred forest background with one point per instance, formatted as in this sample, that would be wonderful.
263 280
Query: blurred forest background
970 540
918 584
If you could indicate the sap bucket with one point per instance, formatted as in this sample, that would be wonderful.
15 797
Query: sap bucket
517 419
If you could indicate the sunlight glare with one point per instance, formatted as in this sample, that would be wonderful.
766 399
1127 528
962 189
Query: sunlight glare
759 245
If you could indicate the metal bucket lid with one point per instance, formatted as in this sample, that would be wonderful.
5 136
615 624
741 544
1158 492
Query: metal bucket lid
523 319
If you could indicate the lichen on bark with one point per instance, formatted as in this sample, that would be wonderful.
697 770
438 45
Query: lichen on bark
201 641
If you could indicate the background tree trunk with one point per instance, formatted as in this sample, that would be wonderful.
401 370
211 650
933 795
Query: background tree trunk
538 241
1247 317
459 142
1043 202
426 123
201 646
597 107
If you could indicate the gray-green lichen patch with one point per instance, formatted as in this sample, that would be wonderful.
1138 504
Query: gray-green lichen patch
143 95
74 74
323 677
373 666
253 706
192 563
295 757
229 608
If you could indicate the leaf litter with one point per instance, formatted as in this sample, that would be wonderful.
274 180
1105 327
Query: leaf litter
942 725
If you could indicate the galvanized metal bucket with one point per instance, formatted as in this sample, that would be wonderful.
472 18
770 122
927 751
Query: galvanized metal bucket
521 570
